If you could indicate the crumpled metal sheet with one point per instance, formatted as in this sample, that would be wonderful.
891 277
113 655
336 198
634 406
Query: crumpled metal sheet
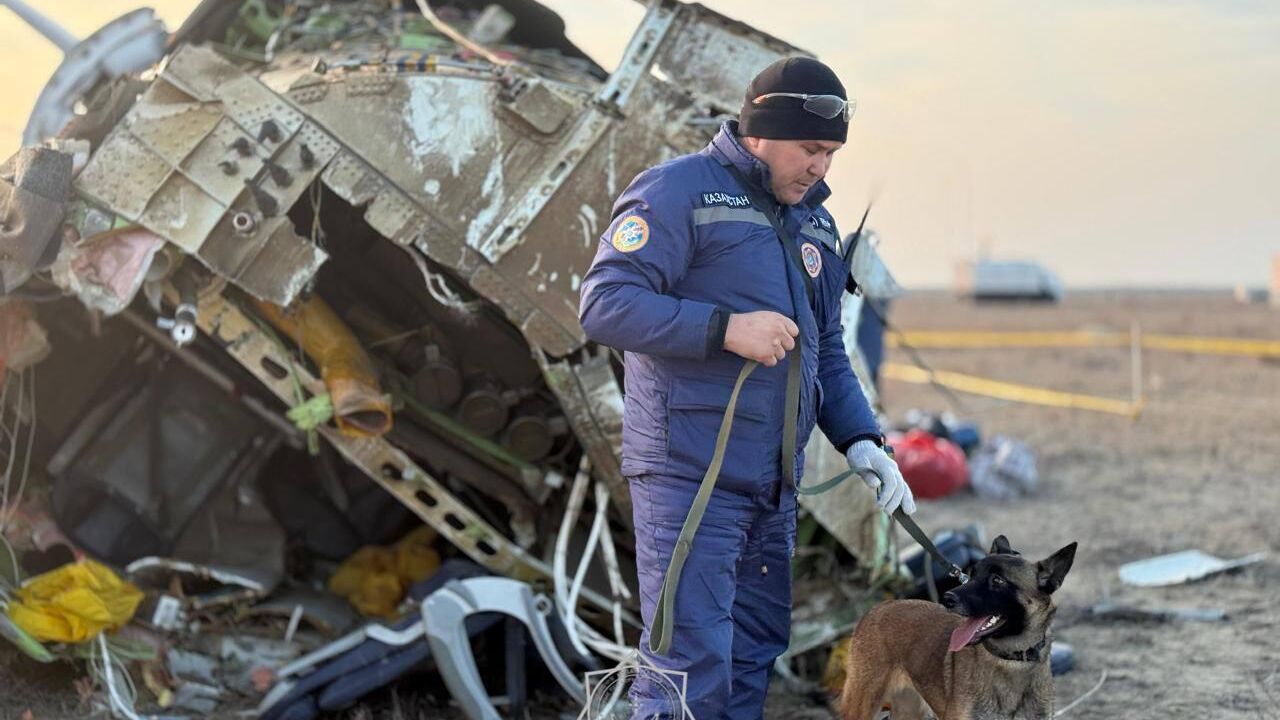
714 57
35 183
155 572
592 403
869 269
211 159
105 272
441 161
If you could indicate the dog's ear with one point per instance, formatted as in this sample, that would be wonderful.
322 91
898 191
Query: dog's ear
1051 571
1001 546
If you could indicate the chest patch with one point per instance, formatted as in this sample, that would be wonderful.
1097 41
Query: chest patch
820 223
723 199
631 235
812 259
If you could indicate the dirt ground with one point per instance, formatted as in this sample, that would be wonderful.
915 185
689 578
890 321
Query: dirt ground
1199 469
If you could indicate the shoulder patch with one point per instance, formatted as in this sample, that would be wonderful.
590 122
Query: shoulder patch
631 235
812 259
718 198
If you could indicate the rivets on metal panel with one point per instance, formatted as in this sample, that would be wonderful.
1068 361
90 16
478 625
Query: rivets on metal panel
279 175
269 131
269 206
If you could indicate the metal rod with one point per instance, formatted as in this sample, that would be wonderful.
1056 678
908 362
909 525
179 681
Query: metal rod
52 31
1135 362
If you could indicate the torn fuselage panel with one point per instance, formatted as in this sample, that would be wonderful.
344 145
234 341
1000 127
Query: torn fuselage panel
210 159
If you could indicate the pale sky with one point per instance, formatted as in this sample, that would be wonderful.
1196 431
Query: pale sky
1120 142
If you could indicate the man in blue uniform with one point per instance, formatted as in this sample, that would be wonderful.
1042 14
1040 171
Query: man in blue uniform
692 280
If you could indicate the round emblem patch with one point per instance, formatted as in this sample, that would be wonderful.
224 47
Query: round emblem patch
812 259
631 235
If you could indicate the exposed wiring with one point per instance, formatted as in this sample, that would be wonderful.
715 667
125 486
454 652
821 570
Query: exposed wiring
577 496
916 359
589 551
12 432
439 290
617 585
9 503
17 572
122 696
582 636
4 398
16 502
316 195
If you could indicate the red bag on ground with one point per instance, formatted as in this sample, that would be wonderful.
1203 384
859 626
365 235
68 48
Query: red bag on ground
932 467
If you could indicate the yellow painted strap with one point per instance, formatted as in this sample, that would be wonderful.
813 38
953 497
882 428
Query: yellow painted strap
1173 343
1009 391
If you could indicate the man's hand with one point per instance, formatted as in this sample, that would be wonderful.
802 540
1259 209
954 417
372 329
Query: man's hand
881 474
764 336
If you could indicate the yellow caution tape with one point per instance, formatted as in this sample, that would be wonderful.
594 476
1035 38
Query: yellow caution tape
1009 391
1212 346
997 339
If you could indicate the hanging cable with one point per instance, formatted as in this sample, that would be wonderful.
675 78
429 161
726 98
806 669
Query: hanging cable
577 496
919 362
7 517
462 40
439 290
13 433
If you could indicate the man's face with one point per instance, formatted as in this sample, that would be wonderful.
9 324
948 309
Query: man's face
794 165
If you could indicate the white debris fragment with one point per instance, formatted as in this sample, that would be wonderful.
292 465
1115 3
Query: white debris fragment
449 119
495 191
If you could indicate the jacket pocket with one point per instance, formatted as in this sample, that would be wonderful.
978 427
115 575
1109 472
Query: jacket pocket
695 409
645 436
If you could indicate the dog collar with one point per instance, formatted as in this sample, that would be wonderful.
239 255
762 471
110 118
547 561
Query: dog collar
1031 654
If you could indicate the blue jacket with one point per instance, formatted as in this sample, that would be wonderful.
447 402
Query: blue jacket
684 249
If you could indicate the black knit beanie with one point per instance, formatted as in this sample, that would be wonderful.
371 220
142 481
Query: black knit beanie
782 118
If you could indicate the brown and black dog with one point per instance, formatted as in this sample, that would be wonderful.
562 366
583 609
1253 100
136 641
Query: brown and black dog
983 654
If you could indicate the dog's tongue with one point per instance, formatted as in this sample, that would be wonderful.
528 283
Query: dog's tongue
963 635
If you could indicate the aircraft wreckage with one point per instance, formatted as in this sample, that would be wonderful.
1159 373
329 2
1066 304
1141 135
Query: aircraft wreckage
304 227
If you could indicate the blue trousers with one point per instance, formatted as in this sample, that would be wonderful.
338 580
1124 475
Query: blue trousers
733 604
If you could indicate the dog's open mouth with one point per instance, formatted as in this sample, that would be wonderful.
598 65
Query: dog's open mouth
974 629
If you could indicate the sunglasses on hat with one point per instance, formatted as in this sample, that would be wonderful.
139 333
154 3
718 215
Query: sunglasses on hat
824 106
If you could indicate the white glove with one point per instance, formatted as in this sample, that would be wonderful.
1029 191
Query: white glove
881 474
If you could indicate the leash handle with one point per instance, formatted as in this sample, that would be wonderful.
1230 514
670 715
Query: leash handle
901 517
